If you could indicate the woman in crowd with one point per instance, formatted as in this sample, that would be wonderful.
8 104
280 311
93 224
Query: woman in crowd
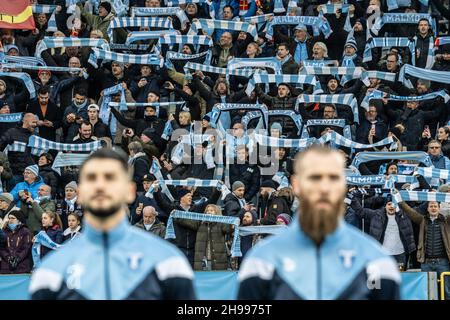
52 225
15 254
74 222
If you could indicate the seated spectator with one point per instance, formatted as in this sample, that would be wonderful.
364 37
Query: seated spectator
7 205
139 162
51 224
33 208
68 204
16 254
74 227
150 222
284 219
30 185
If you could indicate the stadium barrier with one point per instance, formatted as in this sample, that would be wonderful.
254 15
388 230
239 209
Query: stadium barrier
442 285
223 285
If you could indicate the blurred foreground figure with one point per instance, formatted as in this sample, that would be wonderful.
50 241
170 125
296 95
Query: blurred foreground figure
320 256
111 259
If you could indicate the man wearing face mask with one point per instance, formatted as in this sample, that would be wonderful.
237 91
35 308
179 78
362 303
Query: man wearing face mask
111 260
319 256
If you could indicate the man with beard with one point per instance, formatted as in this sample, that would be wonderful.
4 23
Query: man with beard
111 260
319 256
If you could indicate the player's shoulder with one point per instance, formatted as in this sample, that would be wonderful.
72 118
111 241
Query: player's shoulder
152 244
366 244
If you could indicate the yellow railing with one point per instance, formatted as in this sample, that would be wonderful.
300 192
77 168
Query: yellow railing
442 283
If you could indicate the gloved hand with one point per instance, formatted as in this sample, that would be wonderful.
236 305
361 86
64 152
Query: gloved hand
13 262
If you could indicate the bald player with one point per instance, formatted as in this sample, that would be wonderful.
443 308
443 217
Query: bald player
319 256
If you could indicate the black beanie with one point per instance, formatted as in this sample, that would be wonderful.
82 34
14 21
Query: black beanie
106 5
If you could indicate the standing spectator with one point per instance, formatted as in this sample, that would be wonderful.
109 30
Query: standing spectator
33 208
210 247
19 160
75 114
143 84
265 199
245 172
422 42
234 202
438 160
284 219
51 225
74 227
392 229
371 127
101 130
15 255
30 185
223 51
69 204
283 101
433 249
288 65
5 171
442 136
48 113
248 218
48 175
139 162
150 222
85 134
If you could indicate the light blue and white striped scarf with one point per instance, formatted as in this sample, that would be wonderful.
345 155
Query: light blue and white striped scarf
388 42
349 72
419 196
161 11
346 99
47 9
171 55
151 59
319 63
271 62
124 22
205 68
402 18
432 172
199 183
156 171
105 108
41 239
418 156
59 42
318 24
386 76
336 139
327 122
17 146
376 94
30 61
11 117
25 78
146 35
251 230
432 75
186 39
40 145
373 180
68 159
442 41
49 68
395 4
258 19
120 7
430 53
235 247
210 25
332 8
282 78
220 114
269 141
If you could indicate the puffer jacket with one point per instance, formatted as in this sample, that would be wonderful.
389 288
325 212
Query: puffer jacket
249 175
31 187
276 103
378 223
50 178
282 201
18 245
56 234
212 234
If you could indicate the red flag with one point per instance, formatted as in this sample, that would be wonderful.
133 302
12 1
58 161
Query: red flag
16 14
